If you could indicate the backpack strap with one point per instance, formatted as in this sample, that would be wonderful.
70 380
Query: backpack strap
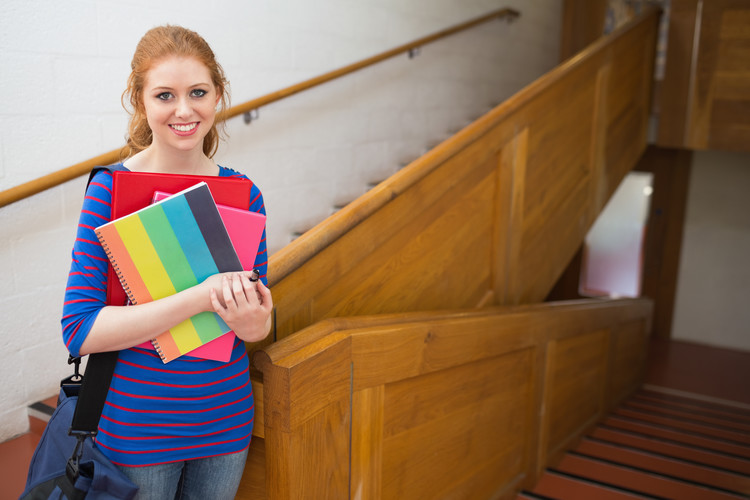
116 167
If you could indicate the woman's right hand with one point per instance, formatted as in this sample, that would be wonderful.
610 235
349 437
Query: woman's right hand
245 305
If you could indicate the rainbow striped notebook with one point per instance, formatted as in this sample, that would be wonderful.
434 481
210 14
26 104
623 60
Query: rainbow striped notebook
167 247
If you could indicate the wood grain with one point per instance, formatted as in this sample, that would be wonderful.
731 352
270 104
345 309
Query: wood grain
705 103
420 405
497 211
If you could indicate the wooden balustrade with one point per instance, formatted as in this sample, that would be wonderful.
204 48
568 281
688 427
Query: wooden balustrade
493 214
410 404
465 404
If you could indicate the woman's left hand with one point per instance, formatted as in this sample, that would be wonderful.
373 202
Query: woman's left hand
245 306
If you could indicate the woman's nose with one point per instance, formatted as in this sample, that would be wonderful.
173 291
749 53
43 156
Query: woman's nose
183 108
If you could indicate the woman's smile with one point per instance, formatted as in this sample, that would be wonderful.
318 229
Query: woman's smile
184 129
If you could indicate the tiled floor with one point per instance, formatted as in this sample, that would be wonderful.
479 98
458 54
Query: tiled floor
675 367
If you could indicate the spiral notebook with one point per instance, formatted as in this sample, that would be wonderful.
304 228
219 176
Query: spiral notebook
167 247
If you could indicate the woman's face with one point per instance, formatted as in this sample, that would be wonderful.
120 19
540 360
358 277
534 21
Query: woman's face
180 103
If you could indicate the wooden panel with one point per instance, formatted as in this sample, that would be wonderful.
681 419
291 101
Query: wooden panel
253 484
470 377
442 223
442 430
575 390
386 355
367 442
629 347
628 105
509 218
706 96
556 193
259 424
674 90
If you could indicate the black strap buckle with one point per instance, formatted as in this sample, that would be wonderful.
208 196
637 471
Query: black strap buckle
72 469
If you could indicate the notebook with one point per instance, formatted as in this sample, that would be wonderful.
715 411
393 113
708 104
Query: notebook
133 191
245 230
167 247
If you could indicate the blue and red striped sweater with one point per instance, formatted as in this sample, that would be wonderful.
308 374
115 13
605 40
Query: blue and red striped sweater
157 413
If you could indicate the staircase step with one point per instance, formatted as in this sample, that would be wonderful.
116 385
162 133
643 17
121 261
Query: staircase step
671 449
688 438
674 468
562 486
686 424
686 413
638 479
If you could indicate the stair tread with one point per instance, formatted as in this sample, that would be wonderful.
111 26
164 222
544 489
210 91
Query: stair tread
671 449
561 487
686 424
705 442
647 482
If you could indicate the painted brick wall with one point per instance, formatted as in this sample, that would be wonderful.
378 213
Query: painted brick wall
64 66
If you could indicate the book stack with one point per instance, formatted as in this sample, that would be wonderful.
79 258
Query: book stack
175 243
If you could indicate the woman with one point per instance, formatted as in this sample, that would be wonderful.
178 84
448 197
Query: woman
183 427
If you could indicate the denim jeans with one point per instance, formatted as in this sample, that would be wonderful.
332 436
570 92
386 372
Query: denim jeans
212 478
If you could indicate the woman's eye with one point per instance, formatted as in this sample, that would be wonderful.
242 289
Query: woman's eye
198 93
164 96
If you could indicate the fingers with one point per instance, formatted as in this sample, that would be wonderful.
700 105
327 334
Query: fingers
238 291
247 305
264 295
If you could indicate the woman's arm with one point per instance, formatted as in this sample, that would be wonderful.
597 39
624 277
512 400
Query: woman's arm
122 327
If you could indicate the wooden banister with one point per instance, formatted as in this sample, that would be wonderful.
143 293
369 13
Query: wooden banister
292 256
352 406
48 181
506 202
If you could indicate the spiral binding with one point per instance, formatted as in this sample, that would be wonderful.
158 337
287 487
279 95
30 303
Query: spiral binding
158 350
114 265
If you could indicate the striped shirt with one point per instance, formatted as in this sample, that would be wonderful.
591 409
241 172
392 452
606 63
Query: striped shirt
157 413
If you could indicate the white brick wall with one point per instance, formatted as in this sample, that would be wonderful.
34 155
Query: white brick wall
63 67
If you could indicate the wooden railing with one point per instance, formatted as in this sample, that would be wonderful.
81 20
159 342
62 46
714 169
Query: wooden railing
493 214
469 404
66 174
415 401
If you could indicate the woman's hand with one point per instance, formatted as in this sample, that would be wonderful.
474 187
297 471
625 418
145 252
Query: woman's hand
243 304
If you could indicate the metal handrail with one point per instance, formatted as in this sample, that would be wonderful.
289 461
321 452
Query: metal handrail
58 177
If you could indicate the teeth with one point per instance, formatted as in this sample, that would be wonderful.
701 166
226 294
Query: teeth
184 128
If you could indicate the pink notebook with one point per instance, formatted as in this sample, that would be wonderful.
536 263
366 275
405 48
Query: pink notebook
245 229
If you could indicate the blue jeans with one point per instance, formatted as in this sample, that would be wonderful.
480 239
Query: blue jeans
212 478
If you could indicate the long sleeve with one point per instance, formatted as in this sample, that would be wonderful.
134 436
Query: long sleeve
86 291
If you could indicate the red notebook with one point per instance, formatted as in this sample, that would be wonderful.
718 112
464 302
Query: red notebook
132 191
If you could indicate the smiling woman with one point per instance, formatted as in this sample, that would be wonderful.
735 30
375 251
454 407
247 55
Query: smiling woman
185 425
190 55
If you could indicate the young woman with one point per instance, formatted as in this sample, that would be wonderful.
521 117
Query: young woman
181 428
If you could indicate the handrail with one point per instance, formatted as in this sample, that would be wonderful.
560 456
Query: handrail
48 181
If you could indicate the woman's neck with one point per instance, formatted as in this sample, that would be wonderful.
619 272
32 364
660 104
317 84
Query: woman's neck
156 160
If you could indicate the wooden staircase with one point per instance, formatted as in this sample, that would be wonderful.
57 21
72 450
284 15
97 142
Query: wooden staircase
657 445
418 309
